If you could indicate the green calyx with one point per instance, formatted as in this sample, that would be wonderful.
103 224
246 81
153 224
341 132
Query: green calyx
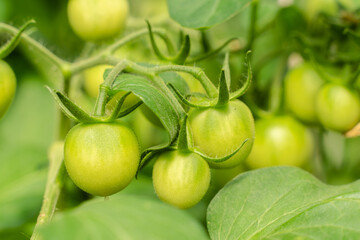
75 113
224 95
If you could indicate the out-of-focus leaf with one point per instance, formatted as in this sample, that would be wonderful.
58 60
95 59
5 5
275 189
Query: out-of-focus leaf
204 13
124 217
31 117
22 183
25 133
284 203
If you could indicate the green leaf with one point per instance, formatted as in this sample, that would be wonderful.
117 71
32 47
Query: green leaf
152 97
284 203
124 217
25 134
204 13
22 183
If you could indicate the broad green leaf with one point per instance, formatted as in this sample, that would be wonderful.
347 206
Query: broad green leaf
124 217
204 13
284 203
152 97
22 183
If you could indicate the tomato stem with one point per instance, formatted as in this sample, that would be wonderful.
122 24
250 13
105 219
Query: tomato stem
105 87
32 47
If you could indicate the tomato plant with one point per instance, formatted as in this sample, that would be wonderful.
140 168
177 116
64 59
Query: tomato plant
174 119
338 107
281 140
7 86
101 158
89 21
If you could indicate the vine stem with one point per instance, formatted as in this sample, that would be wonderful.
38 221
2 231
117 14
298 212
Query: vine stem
53 188
30 44
56 173
105 87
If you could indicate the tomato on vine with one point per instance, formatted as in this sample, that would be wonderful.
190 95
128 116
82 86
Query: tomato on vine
7 86
101 158
302 84
338 107
219 131
280 140
97 20
181 178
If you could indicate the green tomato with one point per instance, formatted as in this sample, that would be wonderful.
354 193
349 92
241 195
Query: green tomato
280 140
181 178
338 107
7 87
219 131
302 84
101 158
93 77
94 20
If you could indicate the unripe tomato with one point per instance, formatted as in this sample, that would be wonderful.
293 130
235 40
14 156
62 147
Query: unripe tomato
338 107
94 20
7 86
101 158
93 77
219 131
280 140
181 178
302 84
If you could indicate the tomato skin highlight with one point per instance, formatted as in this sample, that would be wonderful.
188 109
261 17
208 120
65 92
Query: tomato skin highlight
94 20
302 84
280 140
7 87
181 178
338 107
218 132
101 158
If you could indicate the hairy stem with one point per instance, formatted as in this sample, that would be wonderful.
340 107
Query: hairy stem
105 87
30 45
53 188
55 179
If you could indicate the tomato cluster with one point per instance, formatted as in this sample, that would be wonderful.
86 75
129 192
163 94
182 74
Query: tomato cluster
314 100
102 158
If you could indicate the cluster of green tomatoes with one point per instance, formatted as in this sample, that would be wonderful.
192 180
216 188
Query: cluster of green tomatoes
102 158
